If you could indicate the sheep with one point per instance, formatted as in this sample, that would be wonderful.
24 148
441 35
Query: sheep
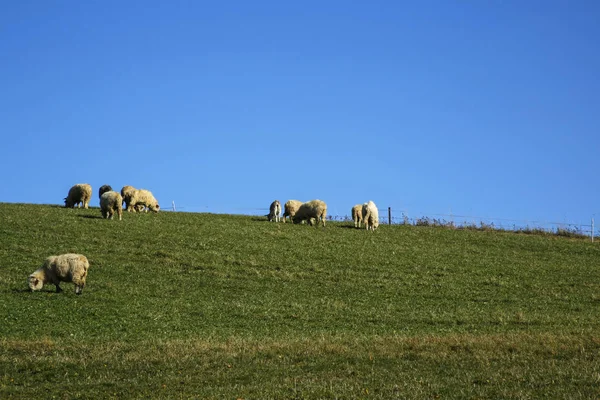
111 202
275 211
312 209
62 268
370 216
143 197
103 189
80 193
290 208
357 215
127 192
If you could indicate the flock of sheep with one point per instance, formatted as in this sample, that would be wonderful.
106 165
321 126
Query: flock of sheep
74 267
299 212
111 202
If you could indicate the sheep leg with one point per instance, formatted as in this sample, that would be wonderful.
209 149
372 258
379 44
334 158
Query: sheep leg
58 288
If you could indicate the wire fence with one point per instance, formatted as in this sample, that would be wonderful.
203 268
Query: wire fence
390 216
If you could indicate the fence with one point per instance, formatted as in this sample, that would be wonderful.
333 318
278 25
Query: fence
390 217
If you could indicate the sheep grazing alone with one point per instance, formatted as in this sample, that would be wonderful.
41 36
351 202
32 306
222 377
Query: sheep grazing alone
103 189
126 193
275 211
62 268
111 203
80 193
143 197
316 209
357 215
290 208
370 216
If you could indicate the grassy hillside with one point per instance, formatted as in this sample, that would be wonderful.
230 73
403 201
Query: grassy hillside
189 305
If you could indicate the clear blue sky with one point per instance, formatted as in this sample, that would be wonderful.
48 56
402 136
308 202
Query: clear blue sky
484 108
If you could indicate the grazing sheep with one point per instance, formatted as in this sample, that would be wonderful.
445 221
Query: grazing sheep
63 268
80 193
143 197
316 209
357 215
370 216
127 192
275 211
111 202
290 208
103 189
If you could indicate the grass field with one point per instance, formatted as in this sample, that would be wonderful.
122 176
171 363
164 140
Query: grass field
191 305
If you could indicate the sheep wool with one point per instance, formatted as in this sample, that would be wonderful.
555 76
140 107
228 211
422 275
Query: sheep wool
370 216
316 209
357 215
63 268
290 208
111 203
275 211
79 193
103 189
143 197
127 193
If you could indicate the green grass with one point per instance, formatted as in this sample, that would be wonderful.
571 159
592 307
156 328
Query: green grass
188 305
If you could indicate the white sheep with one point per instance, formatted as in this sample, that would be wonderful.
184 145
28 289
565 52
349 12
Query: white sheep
370 216
316 209
357 215
126 193
275 211
111 202
80 193
103 189
143 197
290 208
62 268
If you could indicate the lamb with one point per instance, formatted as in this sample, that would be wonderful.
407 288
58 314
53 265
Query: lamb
103 189
62 268
127 192
80 193
357 215
143 197
316 209
111 202
290 208
370 216
275 211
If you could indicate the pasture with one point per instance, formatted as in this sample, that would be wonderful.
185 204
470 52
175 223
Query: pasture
194 305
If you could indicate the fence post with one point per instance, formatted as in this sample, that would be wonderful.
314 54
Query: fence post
389 215
592 229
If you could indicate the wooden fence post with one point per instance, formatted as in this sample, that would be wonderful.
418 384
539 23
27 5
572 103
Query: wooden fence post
389 215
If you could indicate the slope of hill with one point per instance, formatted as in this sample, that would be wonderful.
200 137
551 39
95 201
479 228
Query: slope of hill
211 306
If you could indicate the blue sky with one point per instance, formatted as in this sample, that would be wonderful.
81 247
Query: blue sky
481 108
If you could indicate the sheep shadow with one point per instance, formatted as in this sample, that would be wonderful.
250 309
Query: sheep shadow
349 227
91 216
21 290
45 289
